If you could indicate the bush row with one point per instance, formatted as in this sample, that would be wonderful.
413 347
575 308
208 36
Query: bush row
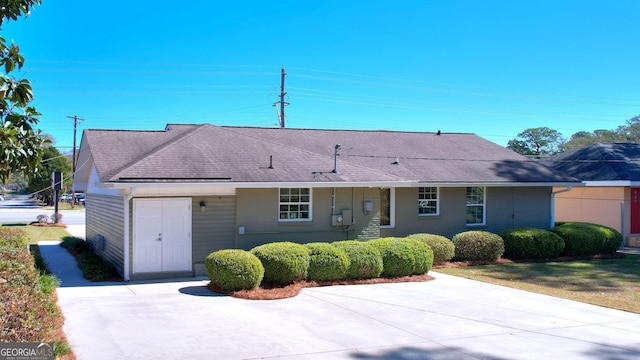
282 263
27 296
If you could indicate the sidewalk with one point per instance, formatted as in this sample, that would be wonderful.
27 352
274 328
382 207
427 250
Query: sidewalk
447 318
62 264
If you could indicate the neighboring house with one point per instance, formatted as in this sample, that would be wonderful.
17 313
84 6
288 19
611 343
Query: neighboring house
158 202
611 196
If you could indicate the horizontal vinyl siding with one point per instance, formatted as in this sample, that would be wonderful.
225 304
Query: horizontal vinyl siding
105 216
215 228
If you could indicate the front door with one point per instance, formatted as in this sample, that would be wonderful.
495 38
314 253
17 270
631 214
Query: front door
161 235
635 210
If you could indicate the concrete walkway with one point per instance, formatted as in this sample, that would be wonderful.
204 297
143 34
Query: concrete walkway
447 318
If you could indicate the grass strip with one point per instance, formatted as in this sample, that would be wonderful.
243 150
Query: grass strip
613 283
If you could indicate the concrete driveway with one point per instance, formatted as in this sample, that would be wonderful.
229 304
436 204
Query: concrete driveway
447 318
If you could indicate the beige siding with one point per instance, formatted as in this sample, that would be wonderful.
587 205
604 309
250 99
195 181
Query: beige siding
214 228
598 205
450 220
505 208
105 216
518 207
257 212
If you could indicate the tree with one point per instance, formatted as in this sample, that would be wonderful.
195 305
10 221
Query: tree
628 133
538 142
40 182
21 145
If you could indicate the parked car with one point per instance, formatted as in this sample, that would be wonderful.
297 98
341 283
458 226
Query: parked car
80 199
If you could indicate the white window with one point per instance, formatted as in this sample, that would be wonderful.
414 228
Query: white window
428 203
387 208
295 204
476 197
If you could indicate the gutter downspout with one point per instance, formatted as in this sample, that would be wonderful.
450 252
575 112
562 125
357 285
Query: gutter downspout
127 228
553 204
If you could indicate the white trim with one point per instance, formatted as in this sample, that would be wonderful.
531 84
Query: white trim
127 228
437 213
613 183
484 207
312 184
299 219
392 209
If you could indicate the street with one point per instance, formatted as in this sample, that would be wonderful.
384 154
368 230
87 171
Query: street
21 208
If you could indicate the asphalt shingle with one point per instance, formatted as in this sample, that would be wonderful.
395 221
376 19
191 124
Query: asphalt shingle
212 153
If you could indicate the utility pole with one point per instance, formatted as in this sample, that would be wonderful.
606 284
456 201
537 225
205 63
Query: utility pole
282 94
73 161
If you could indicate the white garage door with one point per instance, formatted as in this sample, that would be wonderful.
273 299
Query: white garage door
161 235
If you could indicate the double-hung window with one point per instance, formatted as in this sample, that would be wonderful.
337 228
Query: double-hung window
294 204
428 201
476 199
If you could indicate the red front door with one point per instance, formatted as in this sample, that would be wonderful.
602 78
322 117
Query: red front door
635 210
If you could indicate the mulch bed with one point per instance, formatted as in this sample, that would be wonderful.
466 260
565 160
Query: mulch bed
275 293
457 264
48 224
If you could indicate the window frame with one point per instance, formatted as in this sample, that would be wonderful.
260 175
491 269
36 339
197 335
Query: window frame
483 205
437 200
392 209
299 203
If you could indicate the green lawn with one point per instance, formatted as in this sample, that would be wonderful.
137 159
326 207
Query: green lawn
613 283
37 233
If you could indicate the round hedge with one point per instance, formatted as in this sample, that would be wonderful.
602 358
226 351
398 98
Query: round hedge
234 269
365 259
326 262
478 246
530 243
423 255
284 262
588 239
443 248
398 258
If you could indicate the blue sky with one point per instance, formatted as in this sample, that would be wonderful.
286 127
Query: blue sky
493 68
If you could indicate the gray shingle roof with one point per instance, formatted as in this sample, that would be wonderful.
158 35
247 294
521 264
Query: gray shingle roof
600 162
211 153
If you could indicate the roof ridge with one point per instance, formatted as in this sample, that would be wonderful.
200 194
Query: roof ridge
349 130
157 149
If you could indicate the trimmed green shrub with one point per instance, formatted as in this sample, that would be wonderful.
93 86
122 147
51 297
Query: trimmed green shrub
234 269
530 243
365 259
327 262
27 297
588 239
284 262
478 246
443 248
423 254
398 258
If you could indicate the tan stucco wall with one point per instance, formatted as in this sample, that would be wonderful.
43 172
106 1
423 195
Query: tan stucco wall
598 205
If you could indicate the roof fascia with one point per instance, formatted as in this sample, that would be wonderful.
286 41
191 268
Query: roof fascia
394 184
612 183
